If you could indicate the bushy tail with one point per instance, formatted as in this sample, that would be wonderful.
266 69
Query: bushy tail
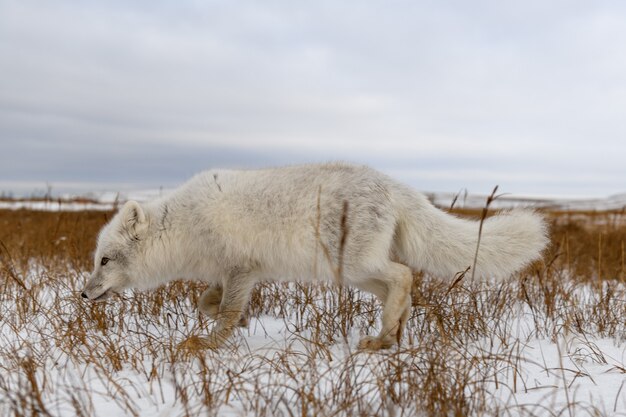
437 242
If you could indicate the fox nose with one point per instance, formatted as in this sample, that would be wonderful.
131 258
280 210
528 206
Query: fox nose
82 294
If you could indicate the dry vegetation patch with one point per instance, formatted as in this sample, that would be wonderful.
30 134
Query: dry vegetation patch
536 344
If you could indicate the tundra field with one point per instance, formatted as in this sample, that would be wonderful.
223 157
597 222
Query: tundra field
549 341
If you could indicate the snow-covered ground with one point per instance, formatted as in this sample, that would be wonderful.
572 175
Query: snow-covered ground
61 356
110 200
615 202
540 345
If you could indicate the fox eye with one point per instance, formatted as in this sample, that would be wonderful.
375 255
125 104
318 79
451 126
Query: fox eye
104 261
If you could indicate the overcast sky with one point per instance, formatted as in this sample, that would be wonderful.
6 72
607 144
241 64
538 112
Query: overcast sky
443 95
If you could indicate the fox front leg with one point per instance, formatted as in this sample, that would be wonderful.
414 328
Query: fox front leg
235 294
209 304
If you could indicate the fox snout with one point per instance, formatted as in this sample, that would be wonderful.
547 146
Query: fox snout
96 295
84 295
95 290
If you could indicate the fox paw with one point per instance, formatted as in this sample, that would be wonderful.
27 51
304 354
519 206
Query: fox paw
209 302
195 344
375 343
243 321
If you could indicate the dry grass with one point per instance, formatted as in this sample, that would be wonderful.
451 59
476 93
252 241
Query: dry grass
463 353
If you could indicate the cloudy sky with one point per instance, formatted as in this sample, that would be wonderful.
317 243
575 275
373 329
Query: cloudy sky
443 95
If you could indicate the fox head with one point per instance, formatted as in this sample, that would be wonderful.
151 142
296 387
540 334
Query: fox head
116 260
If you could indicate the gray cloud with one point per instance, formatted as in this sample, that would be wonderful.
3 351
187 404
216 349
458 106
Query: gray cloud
443 95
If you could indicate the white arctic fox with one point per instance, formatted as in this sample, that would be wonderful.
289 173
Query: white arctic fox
236 228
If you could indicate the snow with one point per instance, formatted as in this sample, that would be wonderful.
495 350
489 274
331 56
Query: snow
558 373
273 363
110 200
278 365
504 201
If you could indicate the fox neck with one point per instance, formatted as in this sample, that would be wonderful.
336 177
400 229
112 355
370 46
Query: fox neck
167 250
160 263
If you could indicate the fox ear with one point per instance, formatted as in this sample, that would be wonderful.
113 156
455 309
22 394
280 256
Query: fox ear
133 218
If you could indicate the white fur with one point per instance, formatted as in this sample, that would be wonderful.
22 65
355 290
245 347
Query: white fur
235 228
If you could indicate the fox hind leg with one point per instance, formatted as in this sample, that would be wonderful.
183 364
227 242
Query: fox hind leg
396 298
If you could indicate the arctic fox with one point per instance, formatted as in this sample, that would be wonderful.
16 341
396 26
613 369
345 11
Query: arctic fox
236 228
